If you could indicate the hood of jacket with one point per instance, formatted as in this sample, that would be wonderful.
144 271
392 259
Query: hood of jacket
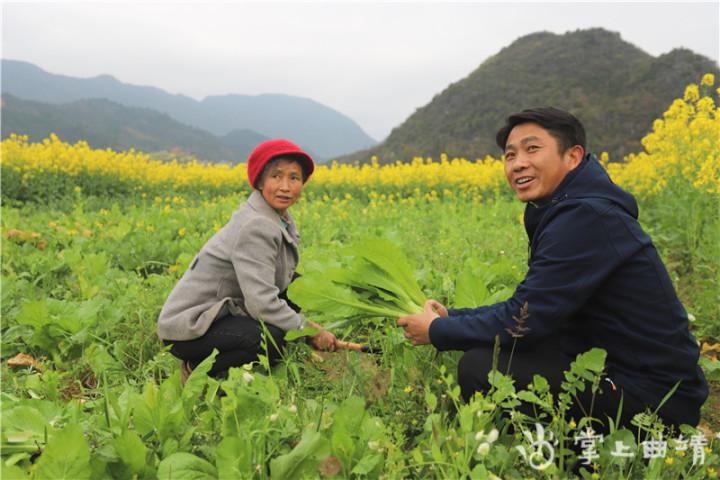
588 181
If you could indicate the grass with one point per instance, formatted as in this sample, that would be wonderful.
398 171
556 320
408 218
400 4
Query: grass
126 255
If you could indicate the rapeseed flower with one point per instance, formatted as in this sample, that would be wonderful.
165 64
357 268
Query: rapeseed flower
681 151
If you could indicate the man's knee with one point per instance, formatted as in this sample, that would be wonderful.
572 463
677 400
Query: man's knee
473 370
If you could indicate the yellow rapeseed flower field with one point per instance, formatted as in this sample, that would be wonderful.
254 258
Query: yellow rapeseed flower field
684 146
682 149
53 156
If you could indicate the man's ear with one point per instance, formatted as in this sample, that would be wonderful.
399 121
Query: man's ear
574 155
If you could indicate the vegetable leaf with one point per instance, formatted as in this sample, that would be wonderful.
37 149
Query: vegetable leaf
388 257
186 466
377 282
66 456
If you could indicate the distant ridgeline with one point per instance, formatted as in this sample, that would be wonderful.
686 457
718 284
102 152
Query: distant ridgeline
613 87
106 124
108 113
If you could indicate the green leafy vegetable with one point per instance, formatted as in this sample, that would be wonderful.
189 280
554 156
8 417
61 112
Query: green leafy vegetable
185 466
303 459
482 284
377 282
67 456
132 451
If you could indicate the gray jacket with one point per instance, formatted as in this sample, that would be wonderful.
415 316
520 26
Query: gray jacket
240 271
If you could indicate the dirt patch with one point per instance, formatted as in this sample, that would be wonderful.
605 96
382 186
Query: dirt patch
375 379
77 387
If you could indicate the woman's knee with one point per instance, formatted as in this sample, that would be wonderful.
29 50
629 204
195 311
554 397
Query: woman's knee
273 338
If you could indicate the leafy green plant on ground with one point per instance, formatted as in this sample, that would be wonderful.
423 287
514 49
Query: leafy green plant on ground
103 372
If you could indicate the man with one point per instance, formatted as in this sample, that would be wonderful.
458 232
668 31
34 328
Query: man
594 280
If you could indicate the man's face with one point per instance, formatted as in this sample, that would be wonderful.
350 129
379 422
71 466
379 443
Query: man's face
534 166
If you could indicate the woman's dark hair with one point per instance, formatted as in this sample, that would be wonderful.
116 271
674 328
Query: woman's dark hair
567 130
274 161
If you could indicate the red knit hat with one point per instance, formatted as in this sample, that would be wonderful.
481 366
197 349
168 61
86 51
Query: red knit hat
270 149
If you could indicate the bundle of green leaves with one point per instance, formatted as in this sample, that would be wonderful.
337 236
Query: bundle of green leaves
375 281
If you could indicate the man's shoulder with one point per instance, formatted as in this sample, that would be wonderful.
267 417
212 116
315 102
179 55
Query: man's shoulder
592 206
594 221
573 207
589 214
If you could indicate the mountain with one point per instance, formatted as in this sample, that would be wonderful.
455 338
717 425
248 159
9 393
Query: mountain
244 140
613 87
316 127
106 124
311 125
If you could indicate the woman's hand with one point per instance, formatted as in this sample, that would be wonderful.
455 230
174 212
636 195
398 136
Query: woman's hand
324 341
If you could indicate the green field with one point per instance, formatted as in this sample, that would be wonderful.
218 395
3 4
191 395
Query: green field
84 278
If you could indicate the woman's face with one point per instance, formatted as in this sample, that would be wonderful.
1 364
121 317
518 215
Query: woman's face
281 184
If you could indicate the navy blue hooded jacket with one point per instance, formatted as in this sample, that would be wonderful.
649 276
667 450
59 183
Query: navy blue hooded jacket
595 280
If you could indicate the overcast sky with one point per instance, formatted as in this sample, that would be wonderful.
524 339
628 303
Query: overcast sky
375 62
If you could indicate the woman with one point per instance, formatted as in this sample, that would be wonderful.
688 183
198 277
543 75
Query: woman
235 287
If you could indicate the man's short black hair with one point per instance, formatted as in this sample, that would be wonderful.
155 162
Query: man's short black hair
567 130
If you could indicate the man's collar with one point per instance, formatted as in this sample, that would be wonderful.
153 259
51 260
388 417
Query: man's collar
560 192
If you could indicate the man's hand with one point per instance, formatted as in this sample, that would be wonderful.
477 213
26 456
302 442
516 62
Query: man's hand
438 307
417 326
324 341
